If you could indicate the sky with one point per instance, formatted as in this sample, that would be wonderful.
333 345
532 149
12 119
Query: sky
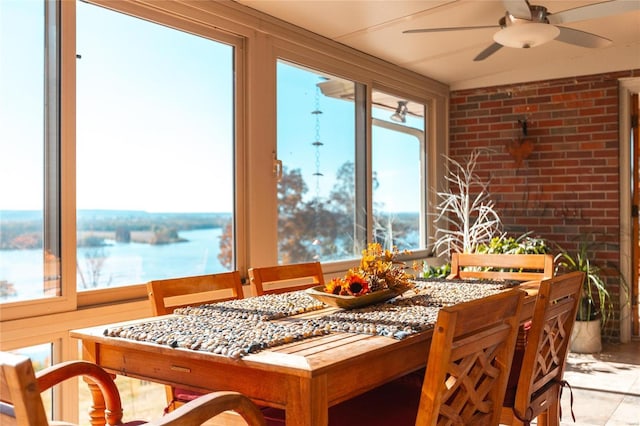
160 138
21 109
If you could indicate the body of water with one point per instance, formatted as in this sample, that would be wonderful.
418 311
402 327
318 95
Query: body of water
117 264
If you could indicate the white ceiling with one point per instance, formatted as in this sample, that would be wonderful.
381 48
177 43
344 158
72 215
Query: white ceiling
376 26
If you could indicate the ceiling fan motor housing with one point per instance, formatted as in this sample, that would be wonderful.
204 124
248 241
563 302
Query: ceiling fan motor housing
526 33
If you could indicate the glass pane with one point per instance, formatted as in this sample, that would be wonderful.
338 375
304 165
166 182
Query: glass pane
40 356
155 147
316 144
29 262
397 158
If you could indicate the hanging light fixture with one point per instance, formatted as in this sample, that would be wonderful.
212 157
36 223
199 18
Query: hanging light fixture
401 112
526 33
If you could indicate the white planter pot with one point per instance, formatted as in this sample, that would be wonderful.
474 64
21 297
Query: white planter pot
586 337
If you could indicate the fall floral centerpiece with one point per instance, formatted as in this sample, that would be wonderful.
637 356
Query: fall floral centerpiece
379 276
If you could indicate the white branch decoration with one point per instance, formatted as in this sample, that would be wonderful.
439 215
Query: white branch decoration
469 220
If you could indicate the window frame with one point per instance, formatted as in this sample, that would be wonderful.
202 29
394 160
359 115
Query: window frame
365 85
57 143
61 118
168 15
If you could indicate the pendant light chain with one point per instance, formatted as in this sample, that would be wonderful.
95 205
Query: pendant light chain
318 174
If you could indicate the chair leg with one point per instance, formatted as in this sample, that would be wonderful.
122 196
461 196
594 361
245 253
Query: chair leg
171 401
550 417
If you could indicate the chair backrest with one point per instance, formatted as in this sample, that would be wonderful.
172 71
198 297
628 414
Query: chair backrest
547 346
170 294
469 361
284 278
520 267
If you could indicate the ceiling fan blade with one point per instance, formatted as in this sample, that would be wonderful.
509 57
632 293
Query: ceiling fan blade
581 38
593 11
439 30
488 52
518 8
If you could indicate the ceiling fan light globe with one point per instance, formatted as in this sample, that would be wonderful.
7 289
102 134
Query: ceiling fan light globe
524 35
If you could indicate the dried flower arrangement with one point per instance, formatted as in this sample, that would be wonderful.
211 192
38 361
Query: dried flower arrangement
379 269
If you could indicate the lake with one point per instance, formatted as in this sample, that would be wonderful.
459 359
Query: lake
124 263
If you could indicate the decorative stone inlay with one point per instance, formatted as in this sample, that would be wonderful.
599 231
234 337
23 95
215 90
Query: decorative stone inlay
266 307
239 327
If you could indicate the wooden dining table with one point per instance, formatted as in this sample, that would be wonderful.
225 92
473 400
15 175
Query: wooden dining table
304 377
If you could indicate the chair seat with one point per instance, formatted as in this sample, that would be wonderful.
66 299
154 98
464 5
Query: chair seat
186 395
394 403
516 365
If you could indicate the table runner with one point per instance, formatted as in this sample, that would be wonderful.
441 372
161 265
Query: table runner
239 327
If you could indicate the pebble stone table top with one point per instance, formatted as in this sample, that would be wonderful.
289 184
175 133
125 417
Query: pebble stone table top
239 327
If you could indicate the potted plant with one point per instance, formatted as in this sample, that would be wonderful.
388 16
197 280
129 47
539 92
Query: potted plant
595 306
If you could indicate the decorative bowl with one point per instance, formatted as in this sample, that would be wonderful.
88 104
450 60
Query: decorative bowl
351 302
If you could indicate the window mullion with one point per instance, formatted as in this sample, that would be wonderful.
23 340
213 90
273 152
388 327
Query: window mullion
363 179
51 214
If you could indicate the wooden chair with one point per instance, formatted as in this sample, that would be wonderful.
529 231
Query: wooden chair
21 402
170 294
284 278
529 269
543 363
466 377
469 361
519 267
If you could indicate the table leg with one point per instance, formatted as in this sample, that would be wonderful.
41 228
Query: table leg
311 406
96 413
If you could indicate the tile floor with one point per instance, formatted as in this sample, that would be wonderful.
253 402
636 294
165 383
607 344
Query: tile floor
606 387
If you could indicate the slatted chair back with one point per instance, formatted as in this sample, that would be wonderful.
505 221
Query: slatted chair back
520 267
543 363
21 402
170 294
285 278
469 361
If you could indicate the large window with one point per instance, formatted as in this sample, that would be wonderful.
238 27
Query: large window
398 157
29 207
155 151
316 144
322 201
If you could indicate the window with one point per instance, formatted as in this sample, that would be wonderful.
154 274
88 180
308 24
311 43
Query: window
316 144
322 205
29 211
398 147
155 151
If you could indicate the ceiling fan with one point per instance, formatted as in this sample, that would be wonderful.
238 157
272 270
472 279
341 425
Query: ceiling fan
525 25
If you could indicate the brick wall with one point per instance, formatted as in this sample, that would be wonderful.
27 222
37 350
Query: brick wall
566 185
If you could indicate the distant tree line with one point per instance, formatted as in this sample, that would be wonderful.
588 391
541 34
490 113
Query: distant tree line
323 228
17 234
